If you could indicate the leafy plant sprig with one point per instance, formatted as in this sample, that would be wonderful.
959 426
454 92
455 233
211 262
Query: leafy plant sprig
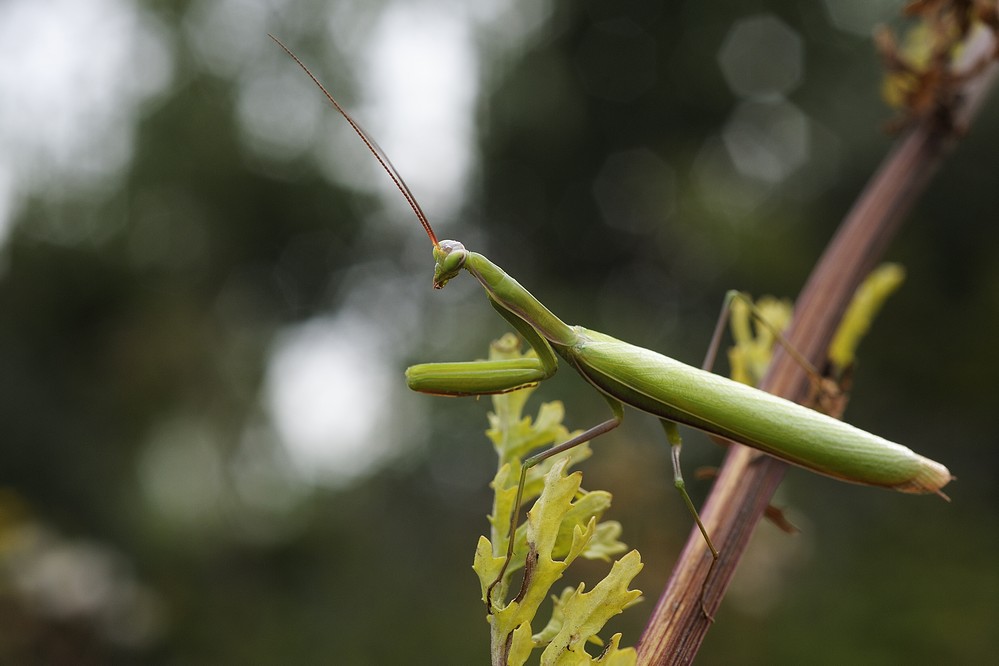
563 524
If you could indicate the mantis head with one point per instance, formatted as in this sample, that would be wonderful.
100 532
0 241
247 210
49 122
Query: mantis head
449 258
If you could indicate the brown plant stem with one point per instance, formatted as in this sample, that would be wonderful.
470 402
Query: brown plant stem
748 479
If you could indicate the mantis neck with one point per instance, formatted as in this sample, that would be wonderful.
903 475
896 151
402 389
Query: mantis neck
507 293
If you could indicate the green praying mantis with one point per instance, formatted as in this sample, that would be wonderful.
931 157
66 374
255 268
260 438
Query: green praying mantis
628 375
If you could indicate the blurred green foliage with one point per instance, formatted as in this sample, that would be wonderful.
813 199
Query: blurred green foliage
145 311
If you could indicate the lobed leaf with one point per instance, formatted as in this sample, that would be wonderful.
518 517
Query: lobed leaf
563 524
750 356
585 613
866 303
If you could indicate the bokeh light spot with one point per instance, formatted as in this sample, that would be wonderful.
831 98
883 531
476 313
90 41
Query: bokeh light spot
860 16
762 57
328 392
767 141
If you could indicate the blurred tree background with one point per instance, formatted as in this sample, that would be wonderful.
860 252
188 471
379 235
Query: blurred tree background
208 295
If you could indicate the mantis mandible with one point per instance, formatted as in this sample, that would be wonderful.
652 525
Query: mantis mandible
645 380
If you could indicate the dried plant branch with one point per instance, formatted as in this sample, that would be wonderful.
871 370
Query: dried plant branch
748 478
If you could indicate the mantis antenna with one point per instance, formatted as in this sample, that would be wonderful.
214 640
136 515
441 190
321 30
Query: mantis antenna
375 149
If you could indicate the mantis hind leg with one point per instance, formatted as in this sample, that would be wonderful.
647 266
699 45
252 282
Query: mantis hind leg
751 355
757 314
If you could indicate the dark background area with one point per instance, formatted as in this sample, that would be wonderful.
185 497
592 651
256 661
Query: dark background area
628 172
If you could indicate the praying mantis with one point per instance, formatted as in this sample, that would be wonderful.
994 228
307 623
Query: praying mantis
628 375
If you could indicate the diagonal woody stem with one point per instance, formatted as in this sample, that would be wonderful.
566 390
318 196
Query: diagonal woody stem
748 479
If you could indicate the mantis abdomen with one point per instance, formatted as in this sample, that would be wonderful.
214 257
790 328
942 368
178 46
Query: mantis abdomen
678 392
